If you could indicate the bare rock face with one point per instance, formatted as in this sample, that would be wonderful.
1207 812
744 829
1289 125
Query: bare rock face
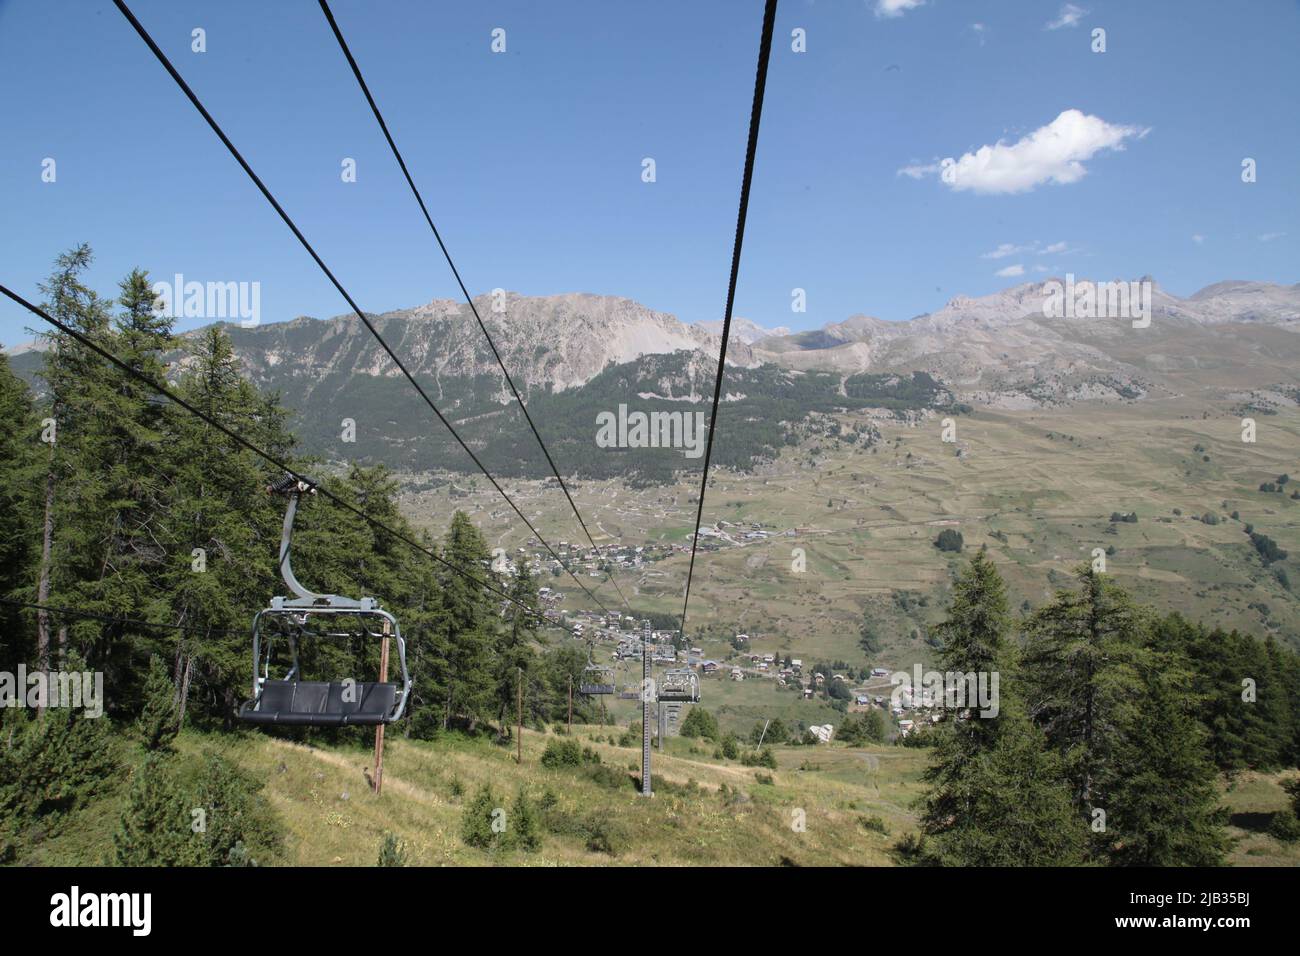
999 347
562 341
743 330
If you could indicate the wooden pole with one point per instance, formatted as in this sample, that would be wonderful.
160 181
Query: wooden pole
379 730
520 741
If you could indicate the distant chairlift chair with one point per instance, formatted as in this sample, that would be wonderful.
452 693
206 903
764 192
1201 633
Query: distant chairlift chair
597 680
294 702
680 685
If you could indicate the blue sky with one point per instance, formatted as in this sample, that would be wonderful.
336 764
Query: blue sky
531 160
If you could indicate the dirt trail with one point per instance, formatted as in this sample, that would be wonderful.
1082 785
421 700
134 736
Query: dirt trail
391 783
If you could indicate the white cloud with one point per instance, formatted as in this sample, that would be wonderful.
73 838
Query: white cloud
1197 238
1053 153
919 171
896 8
1270 236
1009 271
980 31
1006 249
1069 16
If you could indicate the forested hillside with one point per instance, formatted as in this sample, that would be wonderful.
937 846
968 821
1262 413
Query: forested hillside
158 533
766 407
137 541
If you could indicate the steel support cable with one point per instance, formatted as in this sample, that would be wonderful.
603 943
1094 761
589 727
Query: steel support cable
401 162
123 621
755 114
266 193
243 442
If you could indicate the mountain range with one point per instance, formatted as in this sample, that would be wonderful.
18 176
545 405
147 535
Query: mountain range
574 355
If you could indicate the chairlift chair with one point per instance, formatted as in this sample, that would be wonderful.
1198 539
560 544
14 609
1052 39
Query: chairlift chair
597 679
680 684
292 701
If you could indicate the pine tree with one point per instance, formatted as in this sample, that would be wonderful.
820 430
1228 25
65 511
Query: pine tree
562 667
158 720
997 796
75 378
20 467
1216 688
515 660
1009 807
525 824
477 819
219 508
466 671
1162 802
156 827
1081 675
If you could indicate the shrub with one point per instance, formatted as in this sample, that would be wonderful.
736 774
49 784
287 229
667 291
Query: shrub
476 827
700 723
525 825
867 727
392 852
50 769
599 831
562 753
154 829
1267 548
1285 826
949 540
874 824
607 777
604 834
239 822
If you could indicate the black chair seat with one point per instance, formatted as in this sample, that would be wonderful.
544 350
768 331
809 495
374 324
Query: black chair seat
321 704
684 697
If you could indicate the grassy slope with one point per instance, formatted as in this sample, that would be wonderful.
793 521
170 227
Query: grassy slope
1044 481
331 819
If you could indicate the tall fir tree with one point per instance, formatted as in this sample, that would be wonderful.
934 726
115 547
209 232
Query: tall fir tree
515 657
223 529
159 718
1081 673
20 474
465 671
1008 807
996 795
75 378
1162 801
